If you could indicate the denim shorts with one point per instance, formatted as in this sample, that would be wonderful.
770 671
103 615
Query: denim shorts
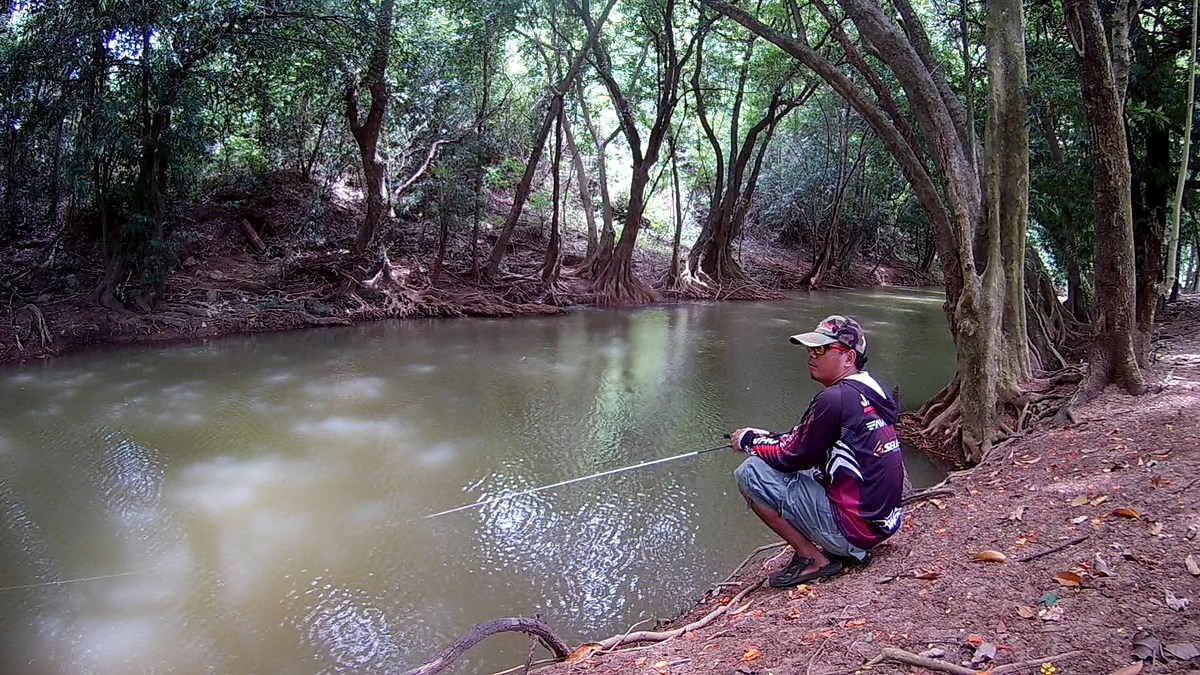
800 499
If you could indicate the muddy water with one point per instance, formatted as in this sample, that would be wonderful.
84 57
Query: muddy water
257 504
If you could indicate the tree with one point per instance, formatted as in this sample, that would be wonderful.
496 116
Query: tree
979 301
1103 80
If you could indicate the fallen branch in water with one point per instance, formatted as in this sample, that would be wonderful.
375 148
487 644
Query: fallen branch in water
534 626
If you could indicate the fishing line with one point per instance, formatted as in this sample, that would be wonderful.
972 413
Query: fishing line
610 472
69 581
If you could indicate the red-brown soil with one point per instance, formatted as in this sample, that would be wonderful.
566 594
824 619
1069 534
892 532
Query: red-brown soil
1117 491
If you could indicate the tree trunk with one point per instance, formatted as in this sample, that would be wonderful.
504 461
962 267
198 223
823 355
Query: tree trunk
1113 356
1172 282
556 103
587 203
550 264
366 130
1152 189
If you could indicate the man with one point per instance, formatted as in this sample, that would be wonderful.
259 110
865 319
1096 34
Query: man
831 486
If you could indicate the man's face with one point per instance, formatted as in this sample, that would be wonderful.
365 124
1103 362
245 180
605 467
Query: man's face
830 363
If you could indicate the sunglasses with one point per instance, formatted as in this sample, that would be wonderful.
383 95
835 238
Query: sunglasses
820 351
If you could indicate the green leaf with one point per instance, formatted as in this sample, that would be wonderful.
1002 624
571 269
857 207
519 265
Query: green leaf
1048 599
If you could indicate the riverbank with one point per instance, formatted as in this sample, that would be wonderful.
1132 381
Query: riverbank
1075 546
296 271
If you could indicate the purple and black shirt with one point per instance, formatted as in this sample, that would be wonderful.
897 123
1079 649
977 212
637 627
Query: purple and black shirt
848 436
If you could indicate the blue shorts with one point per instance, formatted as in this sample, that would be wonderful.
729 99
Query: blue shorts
800 499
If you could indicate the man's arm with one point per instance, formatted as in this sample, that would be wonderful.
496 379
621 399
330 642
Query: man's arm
806 445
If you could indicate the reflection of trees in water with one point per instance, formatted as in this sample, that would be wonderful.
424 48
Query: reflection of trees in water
594 566
349 631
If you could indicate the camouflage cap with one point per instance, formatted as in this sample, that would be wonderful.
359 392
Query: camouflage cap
835 328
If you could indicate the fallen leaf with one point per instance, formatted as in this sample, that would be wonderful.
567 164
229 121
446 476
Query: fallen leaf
983 653
1079 500
1099 500
1054 613
1175 602
1021 541
583 651
661 667
639 661
1102 567
935 653
1027 462
1156 529
1001 629
1069 579
938 503
854 623
751 654
1147 647
688 635
1079 520
741 609
1132 669
1184 651
990 556
1026 611
1018 514
1126 512
974 639
926 575
1193 567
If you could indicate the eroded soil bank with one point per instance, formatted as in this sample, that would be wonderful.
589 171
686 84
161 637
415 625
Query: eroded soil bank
1095 523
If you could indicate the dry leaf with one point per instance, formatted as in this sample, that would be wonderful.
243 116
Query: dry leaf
583 651
1175 602
1054 613
1079 520
1193 567
1080 500
639 661
990 556
1132 669
1017 514
938 503
1026 611
1156 529
751 654
926 575
935 653
1099 500
854 623
1184 651
1001 628
1126 512
661 667
741 609
1069 579
1101 566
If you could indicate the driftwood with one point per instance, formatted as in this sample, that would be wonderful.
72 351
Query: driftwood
534 626
911 659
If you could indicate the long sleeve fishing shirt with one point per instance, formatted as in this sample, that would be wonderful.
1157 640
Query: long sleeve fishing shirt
848 436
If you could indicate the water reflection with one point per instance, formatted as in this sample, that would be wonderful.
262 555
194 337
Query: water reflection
255 505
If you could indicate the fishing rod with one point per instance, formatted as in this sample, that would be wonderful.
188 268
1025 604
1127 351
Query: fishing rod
610 472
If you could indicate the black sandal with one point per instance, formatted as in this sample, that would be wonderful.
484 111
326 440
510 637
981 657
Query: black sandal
793 574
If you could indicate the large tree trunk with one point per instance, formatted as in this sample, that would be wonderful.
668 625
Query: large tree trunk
1113 356
366 130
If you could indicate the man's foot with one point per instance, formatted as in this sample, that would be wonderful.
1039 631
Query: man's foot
849 560
802 570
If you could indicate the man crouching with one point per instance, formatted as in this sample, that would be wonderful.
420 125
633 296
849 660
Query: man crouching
831 486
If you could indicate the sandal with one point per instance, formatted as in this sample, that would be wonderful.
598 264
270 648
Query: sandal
793 574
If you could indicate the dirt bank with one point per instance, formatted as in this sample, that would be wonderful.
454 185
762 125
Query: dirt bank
296 271
1095 523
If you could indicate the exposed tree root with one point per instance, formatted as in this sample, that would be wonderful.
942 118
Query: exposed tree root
534 626
616 641
909 659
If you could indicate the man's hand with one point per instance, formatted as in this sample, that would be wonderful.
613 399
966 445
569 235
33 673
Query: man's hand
735 438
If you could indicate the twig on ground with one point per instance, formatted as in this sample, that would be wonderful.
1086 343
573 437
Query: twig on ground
1056 549
816 653
661 636
753 554
1185 487
911 659
926 494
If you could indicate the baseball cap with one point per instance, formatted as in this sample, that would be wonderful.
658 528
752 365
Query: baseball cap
835 328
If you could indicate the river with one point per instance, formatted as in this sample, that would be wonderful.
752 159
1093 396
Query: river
258 504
